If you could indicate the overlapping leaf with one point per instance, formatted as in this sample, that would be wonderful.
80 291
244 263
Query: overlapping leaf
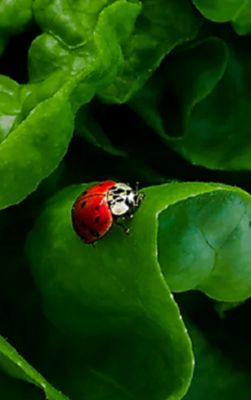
14 16
42 110
200 104
12 364
235 11
159 28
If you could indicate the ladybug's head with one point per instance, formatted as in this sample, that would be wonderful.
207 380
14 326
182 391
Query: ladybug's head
122 199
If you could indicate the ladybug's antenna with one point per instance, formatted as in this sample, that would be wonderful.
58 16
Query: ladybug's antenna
136 186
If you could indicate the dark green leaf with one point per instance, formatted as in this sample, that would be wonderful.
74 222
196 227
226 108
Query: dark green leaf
215 375
200 104
15 366
242 21
159 28
93 133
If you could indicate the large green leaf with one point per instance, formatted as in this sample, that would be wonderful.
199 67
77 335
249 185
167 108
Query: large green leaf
113 299
38 117
155 33
192 235
200 104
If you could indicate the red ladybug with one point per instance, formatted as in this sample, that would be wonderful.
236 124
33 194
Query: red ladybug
98 206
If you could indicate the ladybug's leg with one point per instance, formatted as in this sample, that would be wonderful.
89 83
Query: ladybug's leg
120 222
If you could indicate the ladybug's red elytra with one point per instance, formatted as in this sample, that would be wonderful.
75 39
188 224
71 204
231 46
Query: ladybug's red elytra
95 210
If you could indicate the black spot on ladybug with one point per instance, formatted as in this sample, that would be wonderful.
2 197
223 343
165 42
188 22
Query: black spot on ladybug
118 191
97 208
96 219
95 233
83 225
85 192
83 204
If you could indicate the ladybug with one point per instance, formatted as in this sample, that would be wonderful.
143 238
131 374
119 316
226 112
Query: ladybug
95 210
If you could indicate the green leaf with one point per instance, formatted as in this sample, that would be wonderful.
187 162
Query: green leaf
113 292
15 366
160 27
242 22
74 23
10 106
92 132
200 104
143 46
212 365
45 132
220 11
204 244
193 235
95 41
37 117
236 11
14 15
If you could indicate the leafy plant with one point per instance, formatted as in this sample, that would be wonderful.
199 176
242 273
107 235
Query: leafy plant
132 91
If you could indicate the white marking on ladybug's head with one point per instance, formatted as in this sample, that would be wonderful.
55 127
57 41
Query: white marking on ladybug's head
122 198
119 209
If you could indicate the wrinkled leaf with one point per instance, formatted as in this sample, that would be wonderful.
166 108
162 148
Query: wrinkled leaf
159 28
44 125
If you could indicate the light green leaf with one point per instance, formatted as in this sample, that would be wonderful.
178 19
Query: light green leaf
46 131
